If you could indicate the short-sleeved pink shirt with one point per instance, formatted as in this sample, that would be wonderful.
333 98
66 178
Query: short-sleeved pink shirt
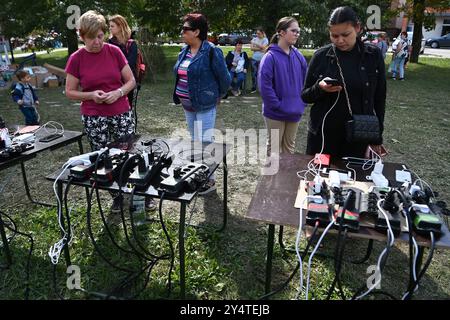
99 71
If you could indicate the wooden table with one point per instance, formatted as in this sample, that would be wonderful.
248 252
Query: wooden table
274 199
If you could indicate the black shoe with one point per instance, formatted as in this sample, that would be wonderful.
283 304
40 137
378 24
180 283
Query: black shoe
150 204
207 187
117 201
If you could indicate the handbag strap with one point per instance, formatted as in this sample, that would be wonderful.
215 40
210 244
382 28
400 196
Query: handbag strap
343 82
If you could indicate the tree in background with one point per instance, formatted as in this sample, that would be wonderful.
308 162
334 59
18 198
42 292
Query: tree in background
417 11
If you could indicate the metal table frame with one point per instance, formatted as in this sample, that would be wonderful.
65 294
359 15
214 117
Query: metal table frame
184 200
69 137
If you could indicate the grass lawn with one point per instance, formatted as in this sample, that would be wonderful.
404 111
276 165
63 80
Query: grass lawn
231 264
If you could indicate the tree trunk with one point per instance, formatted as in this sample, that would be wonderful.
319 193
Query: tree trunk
272 14
72 41
11 50
418 17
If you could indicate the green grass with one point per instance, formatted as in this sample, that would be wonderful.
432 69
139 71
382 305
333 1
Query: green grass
231 264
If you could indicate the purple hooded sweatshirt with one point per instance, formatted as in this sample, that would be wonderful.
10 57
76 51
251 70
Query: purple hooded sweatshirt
280 79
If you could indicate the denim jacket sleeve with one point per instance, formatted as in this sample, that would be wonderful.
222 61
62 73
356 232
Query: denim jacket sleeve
220 71
17 94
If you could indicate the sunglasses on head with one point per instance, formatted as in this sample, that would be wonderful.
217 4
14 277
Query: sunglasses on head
184 28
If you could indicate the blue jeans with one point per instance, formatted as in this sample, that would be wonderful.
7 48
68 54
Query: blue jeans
398 65
240 77
31 115
201 126
255 67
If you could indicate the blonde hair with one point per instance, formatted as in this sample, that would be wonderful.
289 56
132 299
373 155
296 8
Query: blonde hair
91 23
124 28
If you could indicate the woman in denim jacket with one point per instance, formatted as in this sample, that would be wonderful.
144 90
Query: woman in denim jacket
202 78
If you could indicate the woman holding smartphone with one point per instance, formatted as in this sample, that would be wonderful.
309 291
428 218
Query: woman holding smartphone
344 76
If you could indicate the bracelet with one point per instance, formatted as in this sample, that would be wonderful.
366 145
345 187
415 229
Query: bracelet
121 92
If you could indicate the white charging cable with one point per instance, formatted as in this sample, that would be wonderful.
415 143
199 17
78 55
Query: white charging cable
390 243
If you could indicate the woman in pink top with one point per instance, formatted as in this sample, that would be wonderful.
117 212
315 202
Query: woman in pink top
99 76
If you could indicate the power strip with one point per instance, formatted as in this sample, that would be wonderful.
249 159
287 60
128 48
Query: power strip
351 215
317 208
182 178
111 169
425 220
144 174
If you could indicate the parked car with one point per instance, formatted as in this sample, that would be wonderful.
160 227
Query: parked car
231 38
443 41
166 38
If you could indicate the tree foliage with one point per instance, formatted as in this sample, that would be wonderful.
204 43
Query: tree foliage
20 17
422 12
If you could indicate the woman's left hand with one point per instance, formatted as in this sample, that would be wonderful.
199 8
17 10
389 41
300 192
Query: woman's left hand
379 149
112 96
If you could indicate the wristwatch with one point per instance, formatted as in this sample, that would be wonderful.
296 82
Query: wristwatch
121 92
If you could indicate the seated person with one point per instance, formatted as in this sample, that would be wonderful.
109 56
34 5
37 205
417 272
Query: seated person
237 63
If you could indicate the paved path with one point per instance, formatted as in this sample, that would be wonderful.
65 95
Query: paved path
441 52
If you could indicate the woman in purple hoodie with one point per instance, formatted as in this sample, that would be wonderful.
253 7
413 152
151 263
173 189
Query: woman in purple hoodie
282 73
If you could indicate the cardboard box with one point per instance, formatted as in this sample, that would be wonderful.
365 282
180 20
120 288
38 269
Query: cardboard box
55 70
53 83
40 73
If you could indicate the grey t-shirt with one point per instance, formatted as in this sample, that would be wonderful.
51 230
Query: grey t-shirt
257 55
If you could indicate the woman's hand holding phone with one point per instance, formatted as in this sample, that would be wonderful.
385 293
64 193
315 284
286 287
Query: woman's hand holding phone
330 85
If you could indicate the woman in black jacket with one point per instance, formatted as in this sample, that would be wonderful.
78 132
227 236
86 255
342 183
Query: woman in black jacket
363 76
237 63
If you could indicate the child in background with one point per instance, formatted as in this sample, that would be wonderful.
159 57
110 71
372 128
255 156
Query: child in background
24 95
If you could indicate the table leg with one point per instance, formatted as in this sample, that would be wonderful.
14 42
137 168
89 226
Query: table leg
5 243
182 250
225 193
27 188
80 146
270 241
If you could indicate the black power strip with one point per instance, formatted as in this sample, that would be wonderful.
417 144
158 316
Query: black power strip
185 178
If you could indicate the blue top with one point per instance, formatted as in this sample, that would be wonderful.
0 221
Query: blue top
208 76
25 92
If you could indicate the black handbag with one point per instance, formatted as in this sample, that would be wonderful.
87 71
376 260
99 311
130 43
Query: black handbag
362 128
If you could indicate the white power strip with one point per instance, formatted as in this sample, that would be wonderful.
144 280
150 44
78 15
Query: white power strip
25 138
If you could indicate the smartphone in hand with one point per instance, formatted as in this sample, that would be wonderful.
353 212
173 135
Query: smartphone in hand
333 82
